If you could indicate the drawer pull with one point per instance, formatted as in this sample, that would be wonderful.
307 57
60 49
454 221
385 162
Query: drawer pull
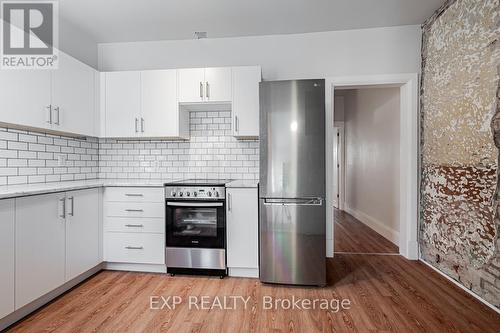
134 210
135 225
134 247
134 195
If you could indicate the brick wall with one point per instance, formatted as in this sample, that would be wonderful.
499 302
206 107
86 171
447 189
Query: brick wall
212 152
28 157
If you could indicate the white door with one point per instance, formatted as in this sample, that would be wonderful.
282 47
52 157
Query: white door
245 110
7 266
40 234
25 97
82 232
191 83
160 110
218 84
242 228
122 104
73 96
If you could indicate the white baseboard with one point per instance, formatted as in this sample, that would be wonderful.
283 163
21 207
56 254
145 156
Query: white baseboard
244 272
461 286
147 268
388 233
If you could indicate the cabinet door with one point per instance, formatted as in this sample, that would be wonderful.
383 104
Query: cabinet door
73 96
242 228
218 84
82 232
246 101
40 233
25 97
191 83
122 103
160 111
6 257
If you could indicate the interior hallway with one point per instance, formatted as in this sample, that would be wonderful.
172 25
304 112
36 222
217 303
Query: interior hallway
352 236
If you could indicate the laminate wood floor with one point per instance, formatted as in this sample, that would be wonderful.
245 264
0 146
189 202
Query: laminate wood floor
352 236
387 294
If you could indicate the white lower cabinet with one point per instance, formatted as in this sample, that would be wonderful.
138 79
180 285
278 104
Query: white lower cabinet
242 232
56 239
134 225
7 257
40 246
82 232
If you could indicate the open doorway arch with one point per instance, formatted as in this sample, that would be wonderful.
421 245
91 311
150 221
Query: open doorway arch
409 152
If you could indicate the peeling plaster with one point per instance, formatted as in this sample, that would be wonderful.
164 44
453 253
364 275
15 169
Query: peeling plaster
459 223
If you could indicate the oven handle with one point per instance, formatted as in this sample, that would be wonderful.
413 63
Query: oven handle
195 204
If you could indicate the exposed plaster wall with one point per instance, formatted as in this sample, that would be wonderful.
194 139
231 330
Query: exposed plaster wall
460 78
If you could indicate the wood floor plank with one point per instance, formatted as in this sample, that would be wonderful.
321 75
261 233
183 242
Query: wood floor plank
352 236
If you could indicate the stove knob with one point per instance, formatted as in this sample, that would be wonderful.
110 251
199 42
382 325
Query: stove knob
195 194
188 194
180 194
217 193
173 193
209 194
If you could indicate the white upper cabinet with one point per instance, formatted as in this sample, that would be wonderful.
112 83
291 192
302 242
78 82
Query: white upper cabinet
73 97
218 84
60 100
25 97
191 85
245 107
205 85
160 114
122 104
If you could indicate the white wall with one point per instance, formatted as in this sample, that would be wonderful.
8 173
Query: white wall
372 164
313 55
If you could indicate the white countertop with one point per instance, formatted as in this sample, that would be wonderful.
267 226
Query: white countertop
243 183
12 191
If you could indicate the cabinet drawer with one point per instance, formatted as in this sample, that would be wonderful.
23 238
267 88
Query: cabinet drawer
135 248
127 224
134 209
134 194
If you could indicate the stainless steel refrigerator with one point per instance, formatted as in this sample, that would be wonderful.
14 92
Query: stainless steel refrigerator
292 213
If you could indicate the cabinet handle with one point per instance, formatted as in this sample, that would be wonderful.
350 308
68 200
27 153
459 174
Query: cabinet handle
236 124
135 225
142 125
134 195
63 208
134 210
58 116
229 202
201 90
207 90
134 247
136 125
72 201
49 107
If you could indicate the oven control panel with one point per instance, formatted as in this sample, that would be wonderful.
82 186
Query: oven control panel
195 193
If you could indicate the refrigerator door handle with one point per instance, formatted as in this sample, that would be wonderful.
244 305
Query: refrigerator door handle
293 202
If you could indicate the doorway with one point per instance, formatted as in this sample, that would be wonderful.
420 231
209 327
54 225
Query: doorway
366 170
408 169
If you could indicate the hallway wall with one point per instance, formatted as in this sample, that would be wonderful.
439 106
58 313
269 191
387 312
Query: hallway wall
372 158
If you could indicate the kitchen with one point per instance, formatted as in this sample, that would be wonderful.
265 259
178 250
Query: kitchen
185 176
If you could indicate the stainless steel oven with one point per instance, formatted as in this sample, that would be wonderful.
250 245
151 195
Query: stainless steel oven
196 229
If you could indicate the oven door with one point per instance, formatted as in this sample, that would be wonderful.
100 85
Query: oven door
196 224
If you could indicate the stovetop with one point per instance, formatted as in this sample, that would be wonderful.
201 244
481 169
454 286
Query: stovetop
200 182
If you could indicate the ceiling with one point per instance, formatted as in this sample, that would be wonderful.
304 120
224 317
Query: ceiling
141 20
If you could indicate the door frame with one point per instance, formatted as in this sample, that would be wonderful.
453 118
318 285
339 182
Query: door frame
338 127
409 152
